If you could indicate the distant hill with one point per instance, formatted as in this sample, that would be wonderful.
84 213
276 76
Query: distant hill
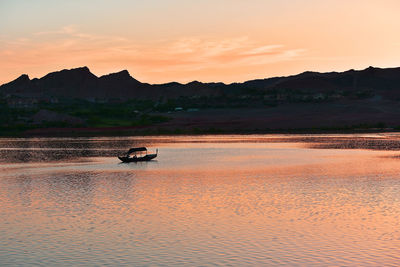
81 83
78 101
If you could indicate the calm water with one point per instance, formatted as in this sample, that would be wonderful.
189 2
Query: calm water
259 200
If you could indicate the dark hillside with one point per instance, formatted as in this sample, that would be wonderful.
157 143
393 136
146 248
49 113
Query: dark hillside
77 98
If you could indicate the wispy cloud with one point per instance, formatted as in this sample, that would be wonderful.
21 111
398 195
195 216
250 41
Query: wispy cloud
70 47
69 29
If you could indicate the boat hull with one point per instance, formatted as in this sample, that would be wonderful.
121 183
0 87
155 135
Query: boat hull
137 159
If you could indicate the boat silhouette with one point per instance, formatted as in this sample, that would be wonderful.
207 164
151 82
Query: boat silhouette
135 157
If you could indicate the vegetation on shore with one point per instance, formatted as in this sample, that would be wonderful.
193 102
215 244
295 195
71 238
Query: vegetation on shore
15 120
20 116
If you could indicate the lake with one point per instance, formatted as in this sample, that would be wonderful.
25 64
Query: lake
224 200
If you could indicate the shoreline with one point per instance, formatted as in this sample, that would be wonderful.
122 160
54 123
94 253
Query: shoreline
154 131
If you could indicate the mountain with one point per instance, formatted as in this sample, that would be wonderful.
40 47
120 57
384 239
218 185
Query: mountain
74 83
81 83
350 100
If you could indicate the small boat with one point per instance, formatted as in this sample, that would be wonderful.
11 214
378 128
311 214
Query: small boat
135 158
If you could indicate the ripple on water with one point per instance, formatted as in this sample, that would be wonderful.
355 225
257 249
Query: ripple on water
243 202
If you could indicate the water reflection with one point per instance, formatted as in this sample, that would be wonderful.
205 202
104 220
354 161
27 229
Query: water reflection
62 149
265 201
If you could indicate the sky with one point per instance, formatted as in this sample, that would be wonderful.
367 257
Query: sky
208 40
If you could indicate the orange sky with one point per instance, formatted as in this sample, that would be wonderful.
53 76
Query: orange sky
177 40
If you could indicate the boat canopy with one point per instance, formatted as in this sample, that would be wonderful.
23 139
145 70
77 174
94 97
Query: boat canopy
136 149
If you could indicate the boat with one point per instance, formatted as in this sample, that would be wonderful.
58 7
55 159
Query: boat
135 158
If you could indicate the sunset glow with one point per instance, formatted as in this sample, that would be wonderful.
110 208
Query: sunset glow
176 40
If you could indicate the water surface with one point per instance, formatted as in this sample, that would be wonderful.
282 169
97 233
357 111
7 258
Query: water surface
207 200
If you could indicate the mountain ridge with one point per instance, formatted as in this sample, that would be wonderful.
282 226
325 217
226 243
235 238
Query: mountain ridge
349 100
82 83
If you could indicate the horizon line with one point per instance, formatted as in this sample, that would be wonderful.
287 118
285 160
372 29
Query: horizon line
195 80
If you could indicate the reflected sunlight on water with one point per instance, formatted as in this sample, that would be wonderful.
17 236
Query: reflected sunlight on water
207 200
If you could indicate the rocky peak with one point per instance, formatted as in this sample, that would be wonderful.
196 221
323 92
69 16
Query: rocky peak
121 76
23 78
76 73
19 82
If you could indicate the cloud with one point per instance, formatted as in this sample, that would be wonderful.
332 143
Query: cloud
69 47
241 51
69 29
263 49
